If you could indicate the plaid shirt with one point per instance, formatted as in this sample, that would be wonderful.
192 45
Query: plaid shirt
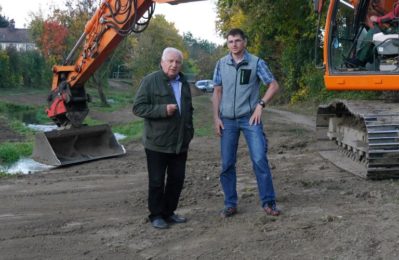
262 71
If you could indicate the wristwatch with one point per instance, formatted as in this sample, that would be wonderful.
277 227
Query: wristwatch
262 103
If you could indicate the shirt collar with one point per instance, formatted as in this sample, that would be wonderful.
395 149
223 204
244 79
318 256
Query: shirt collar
177 78
245 57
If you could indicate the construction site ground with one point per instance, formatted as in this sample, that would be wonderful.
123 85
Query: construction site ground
98 210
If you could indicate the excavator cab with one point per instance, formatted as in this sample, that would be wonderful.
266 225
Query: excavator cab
360 136
355 46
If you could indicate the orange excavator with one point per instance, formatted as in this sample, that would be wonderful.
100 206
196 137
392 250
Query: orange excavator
361 137
75 142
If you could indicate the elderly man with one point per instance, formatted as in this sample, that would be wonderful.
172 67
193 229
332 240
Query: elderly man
164 101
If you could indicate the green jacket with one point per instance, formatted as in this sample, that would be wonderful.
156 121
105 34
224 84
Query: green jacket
162 133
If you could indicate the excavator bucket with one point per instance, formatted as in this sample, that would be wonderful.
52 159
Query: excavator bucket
78 145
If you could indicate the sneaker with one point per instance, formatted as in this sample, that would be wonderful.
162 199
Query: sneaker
159 223
272 210
176 219
228 212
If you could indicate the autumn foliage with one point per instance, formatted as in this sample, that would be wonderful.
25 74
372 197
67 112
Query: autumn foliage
52 41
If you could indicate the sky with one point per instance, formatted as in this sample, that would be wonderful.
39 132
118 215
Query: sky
196 17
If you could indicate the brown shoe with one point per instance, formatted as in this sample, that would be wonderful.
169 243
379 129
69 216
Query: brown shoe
228 212
272 210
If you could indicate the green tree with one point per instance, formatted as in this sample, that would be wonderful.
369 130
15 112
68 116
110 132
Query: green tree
4 22
281 32
74 16
5 71
203 55
15 66
146 47
36 30
37 70
34 70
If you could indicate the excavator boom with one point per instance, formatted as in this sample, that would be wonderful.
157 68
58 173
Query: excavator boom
74 142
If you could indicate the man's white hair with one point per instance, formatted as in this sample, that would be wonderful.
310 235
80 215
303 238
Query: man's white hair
171 50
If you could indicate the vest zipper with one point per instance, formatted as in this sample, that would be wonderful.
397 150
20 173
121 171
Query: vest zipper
235 93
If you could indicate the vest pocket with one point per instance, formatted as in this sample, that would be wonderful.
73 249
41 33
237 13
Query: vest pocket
245 75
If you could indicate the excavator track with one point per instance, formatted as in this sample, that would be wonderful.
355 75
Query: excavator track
361 137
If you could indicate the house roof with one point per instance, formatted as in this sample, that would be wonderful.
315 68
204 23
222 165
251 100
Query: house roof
14 35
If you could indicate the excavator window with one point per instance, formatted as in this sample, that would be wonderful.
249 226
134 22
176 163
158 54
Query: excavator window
356 44
343 33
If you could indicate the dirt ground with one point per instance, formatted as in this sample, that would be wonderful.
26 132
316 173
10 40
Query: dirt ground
98 210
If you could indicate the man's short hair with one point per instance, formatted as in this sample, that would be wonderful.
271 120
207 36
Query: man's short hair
171 50
236 31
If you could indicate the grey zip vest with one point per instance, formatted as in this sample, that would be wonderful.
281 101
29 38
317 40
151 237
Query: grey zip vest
240 86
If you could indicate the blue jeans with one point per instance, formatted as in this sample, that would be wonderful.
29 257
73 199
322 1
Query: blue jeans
257 144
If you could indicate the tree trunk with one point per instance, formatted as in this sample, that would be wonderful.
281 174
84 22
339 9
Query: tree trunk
98 83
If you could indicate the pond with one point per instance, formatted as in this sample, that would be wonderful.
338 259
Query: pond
28 165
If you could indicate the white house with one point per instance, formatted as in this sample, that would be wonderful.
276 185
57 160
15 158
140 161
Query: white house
17 38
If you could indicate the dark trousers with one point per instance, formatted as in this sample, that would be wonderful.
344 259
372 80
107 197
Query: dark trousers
163 197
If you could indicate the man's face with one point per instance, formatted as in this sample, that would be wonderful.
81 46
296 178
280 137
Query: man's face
236 44
171 64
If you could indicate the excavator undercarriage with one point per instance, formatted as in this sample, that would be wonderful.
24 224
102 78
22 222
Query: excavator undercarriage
361 137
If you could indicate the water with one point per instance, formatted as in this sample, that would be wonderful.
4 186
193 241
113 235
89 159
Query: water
28 165
41 128
25 166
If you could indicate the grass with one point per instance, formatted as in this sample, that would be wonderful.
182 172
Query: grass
23 113
17 115
4 175
13 114
203 118
90 121
132 130
11 152
117 99
203 123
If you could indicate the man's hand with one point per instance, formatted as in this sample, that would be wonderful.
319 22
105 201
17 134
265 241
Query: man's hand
373 18
256 115
218 126
171 109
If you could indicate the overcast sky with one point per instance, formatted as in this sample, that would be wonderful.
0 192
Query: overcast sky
197 17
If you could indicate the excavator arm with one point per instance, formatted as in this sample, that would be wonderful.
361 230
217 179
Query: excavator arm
112 21
75 142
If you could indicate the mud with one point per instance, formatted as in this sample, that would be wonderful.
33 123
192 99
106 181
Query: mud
98 210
